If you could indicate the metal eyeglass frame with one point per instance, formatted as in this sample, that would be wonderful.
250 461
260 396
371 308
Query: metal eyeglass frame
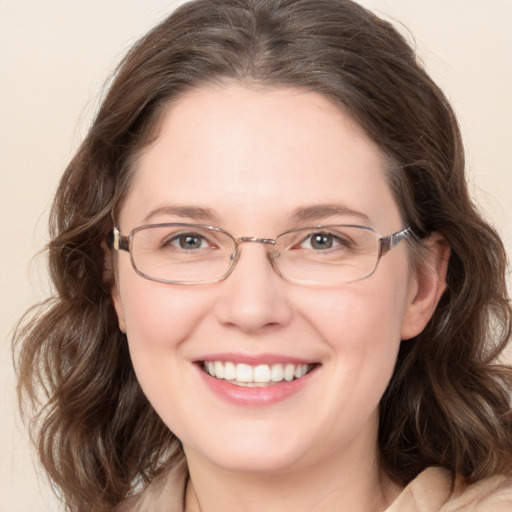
116 241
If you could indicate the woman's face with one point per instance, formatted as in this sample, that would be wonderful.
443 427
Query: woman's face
257 162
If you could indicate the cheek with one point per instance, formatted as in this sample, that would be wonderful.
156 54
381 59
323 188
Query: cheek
159 317
358 316
361 325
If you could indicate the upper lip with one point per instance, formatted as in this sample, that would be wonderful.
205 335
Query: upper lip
253 359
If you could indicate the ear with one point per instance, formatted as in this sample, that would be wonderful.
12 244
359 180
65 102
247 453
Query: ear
111 281
427 285
118 305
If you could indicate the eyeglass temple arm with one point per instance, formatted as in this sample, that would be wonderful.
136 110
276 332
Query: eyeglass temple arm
391 241
116 241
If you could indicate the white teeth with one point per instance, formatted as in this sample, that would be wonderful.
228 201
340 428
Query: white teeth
277 373
262 373
229 371
244 374
289 372
300 371
219 370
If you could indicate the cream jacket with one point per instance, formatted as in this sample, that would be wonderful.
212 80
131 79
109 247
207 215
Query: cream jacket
430 491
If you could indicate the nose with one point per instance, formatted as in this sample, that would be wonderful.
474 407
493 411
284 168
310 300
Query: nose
254 298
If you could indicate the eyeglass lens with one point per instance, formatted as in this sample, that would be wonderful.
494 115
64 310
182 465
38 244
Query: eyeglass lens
195 254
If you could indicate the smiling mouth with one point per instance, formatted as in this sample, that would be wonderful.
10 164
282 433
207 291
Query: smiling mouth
260 375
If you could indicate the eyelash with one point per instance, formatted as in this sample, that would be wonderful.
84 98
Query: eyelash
337 241
178 237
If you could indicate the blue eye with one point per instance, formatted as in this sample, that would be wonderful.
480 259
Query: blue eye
188 241
321 241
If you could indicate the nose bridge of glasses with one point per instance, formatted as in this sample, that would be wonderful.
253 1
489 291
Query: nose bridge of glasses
269 242
253 239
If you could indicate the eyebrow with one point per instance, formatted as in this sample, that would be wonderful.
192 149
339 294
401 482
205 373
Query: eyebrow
322 211
197 213
307 213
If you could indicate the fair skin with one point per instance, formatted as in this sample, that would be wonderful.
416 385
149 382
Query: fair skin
247 159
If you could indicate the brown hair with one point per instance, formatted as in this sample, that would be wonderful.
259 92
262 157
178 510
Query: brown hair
448 402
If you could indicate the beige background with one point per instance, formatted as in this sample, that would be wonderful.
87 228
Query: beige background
54 58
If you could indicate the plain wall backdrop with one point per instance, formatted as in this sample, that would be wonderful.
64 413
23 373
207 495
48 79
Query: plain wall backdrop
55 56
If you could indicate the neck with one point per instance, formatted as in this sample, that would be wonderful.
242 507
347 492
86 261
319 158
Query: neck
336 483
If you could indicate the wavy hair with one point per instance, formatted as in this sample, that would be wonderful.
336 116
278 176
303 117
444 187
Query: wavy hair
448 402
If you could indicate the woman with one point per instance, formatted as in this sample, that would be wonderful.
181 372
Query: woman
272 289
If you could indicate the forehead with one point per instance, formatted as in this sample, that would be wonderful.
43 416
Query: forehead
257 152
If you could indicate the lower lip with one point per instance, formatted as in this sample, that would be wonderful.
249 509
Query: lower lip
255 396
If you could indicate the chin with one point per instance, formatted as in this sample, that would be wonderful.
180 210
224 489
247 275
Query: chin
253 453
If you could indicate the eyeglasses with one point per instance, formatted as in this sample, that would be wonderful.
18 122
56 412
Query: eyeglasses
179 253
